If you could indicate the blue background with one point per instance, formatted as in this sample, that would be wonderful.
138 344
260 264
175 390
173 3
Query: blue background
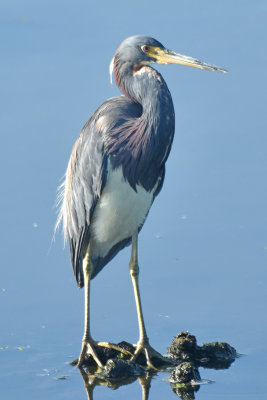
203 250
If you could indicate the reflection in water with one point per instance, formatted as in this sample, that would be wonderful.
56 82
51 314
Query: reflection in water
184 380
91 380
185 392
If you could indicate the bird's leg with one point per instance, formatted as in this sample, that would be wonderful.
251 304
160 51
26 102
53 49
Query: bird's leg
87 341
134 272
89 345
143 343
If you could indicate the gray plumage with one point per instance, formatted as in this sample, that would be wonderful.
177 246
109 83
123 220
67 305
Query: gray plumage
116 170
134 132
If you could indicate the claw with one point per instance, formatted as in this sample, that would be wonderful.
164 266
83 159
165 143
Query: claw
89 347
145 347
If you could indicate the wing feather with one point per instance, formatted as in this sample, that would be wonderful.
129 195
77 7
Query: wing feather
85 178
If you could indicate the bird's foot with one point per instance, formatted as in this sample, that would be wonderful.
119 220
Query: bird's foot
91 348
154 359
88 348
113 346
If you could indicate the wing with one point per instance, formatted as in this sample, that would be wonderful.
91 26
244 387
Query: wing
85 178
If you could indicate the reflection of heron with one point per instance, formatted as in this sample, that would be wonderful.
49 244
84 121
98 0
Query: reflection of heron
117 169
91 380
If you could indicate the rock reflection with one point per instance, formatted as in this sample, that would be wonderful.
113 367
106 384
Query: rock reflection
185 356
184 380
185 392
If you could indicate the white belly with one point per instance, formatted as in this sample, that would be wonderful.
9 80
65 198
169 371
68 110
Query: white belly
118 214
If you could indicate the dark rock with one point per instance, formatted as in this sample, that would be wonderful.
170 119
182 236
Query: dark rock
183 346
218 355
184 373
121 369
219 350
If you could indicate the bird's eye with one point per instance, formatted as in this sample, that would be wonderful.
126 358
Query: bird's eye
145 48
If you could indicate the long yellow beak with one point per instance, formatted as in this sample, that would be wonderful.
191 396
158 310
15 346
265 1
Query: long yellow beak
170 57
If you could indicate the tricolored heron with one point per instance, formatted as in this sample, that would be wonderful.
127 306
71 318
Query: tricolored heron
116 170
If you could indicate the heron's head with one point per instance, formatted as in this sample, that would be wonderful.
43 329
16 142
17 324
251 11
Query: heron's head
143 50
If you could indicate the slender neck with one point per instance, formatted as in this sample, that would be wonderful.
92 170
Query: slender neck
146 87
147 138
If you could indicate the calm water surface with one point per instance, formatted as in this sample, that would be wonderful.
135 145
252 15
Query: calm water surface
203 250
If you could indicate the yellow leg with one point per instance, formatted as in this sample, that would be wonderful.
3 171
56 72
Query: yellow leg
88 344
87 341
143 343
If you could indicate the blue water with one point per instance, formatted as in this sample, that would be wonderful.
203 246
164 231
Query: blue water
203 250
